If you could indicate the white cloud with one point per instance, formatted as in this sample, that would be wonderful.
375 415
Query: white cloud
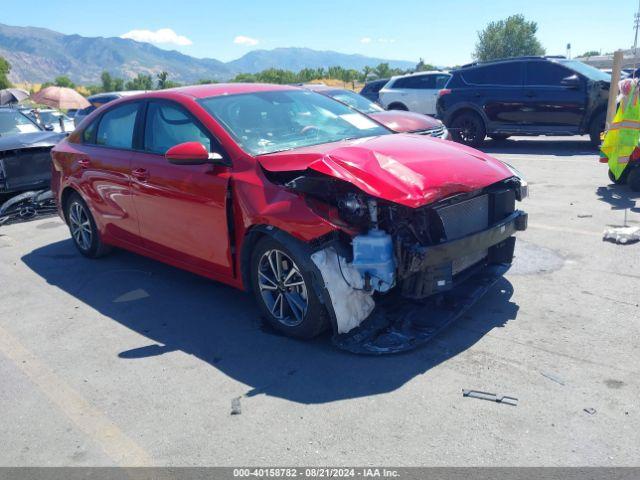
163 35
365 40
386 40
247 41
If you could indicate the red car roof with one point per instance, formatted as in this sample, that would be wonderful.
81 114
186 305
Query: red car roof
204 91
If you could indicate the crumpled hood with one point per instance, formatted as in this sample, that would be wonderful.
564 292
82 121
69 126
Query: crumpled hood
405 122
29 140
411 170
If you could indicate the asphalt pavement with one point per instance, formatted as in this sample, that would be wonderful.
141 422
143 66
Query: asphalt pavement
126 361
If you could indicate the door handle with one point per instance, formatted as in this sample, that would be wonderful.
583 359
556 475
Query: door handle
140 174
530 94
84 162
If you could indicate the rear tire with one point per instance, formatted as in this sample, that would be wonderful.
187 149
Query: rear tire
84 233
596 128
468 129
633 179
282 286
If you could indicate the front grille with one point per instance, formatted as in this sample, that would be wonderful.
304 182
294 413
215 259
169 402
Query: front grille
433 132
465 218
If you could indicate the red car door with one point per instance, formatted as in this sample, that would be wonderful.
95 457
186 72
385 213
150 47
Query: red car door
103 160
181 208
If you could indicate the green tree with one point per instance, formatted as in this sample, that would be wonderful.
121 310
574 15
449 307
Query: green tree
141 82
107 82
350 76
206 81
244 78
118 85
512 37
64 81
383 71
5 68
591 53
162 80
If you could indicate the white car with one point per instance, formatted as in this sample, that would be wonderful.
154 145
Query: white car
417 92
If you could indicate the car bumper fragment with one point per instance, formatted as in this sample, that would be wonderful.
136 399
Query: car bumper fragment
397 326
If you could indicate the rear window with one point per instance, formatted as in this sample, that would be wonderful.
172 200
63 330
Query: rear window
508 74
116 127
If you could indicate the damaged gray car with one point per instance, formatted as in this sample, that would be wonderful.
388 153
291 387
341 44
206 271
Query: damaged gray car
25 160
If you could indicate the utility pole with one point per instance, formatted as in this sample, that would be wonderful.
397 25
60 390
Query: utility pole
637 27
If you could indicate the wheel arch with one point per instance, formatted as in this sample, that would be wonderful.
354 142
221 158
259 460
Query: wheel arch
467 108
396 105
64 198
299 248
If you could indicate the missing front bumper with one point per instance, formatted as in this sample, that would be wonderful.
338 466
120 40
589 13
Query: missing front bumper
396 326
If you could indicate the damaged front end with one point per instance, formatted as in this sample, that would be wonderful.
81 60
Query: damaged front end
397 275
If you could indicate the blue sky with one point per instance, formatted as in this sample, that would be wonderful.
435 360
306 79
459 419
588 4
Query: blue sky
441 32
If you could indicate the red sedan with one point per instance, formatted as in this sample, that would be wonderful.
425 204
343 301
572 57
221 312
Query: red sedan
319 211
399 121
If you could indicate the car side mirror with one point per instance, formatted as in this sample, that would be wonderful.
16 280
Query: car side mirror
192 153
48 127
571 82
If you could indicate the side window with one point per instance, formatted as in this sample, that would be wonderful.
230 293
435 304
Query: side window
427 82
546 73
168 126
116 126
89 133
508 74
409 82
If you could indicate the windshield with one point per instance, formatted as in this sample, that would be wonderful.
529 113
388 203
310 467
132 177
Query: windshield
267 122
586 70
51 118
13 122
355 101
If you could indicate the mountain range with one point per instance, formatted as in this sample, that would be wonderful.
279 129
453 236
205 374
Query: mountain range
38 55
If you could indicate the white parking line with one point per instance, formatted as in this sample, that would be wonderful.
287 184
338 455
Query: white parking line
115 443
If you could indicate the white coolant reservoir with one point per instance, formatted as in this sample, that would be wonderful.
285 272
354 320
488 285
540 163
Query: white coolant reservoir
373 258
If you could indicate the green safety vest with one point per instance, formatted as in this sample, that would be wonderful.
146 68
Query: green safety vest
623 135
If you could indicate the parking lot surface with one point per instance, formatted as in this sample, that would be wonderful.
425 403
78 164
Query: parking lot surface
126 361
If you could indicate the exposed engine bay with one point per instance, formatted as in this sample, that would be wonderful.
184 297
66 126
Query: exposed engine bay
420 252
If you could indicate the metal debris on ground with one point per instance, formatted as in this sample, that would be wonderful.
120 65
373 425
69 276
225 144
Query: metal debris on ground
27 206
236 408
492 397
590 411
622 235
552 377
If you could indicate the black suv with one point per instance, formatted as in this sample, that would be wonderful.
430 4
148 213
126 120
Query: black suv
372 89
524 96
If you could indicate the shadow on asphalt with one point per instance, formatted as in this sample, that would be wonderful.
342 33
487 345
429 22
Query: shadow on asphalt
620 197
541 146
176 310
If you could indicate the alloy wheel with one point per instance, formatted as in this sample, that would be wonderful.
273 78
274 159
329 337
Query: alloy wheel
468 131
80 226
282 287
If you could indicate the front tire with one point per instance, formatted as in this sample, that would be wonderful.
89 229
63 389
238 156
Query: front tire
282 286
468 129
84 233
398 106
